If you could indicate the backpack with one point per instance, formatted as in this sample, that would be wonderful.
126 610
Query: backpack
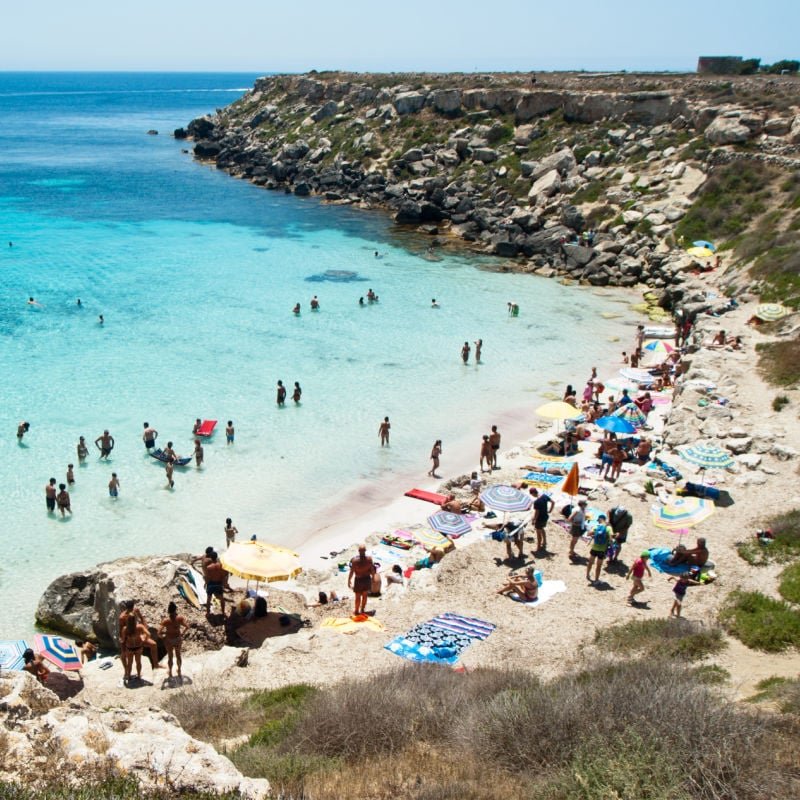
600 537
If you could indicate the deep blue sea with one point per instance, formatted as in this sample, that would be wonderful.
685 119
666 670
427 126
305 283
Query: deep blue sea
196 274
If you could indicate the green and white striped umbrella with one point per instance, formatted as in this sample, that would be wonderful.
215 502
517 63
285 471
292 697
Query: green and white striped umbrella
706 456
769 312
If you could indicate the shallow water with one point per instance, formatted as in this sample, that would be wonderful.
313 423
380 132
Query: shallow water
196 274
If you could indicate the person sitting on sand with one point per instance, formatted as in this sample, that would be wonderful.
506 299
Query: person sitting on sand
34 664
86 649
522 588
643 450
451 504
434 557
695 556
644 403
395 576
324 599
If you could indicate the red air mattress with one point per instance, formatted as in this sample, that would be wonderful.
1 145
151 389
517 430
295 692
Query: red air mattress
430 497
207 428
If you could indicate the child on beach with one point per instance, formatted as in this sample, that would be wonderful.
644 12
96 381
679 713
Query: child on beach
113 485
62 499
682 583
638 568
70 474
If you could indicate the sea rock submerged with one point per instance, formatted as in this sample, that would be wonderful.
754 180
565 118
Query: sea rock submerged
44 740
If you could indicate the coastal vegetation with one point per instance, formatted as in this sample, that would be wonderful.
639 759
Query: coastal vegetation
666 637
785 545
761 622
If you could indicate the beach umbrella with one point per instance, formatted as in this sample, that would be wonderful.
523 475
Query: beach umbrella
11 651
615 425
506 498
572 481
261 561
706 456
632 414
638 376
58 651
700 252
558 409
619 383
704 243
682 512
658 347
769 312
449 523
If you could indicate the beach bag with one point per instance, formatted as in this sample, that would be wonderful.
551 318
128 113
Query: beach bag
499 536
699 490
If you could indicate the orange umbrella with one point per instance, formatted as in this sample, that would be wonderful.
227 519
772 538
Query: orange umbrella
571 482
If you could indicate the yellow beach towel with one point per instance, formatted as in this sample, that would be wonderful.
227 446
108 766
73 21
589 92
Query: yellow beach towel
347 625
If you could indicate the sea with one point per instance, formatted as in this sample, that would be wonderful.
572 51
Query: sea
195 274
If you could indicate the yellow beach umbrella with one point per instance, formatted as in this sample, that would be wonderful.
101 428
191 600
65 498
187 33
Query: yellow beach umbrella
261 561
558 409
682 512
700 252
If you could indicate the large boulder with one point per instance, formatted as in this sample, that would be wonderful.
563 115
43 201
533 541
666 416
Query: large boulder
546 241
794 133
546 186
563 161
409 102
445 101
325 111
727 130
200 128
537 104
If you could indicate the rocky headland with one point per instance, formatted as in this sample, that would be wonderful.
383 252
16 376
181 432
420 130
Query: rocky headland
519 166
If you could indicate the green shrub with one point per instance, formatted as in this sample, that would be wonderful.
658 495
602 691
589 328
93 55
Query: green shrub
789 583
779 401
761 622
785 545
711 674
784 692
665 637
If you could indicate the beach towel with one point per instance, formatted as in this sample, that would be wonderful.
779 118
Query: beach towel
659 561
543 479
547 590
403 542
349 625
429 497
387 555
441 640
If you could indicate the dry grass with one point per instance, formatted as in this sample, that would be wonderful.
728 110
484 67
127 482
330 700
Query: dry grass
670 638
779 362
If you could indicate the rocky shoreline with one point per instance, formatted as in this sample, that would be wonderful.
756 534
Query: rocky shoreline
522 171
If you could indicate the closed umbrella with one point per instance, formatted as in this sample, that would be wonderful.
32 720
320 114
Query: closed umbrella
558 409
706 456
615 425
449 523
632 414
58 651
769 312
682 512
11 651
506 498
571 482
261 561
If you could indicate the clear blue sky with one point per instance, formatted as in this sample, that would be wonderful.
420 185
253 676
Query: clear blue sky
266 36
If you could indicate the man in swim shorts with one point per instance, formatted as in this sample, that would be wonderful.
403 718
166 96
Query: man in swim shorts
362 568
113 485
215 581
105 444
50 492
149 436
494 440
229 433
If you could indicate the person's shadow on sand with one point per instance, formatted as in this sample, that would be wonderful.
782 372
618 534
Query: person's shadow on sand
136 683
176 681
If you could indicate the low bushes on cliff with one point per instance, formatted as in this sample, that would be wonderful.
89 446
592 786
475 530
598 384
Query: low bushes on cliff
761 622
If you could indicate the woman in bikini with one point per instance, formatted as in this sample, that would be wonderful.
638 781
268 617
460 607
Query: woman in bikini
172 630
134 636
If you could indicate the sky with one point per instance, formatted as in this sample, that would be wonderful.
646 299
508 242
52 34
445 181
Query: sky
434 35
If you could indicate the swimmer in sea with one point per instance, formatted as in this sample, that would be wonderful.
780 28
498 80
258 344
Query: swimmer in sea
314 303
434 304
32 302
229 433
113 485
297 394
296 309
22 429
82 449
198 452
196 426
361 301
70 474
79 302
281 398
100 319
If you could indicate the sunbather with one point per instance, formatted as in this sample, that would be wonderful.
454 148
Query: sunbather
522 588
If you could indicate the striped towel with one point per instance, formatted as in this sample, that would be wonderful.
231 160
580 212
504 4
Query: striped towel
467 626
543 479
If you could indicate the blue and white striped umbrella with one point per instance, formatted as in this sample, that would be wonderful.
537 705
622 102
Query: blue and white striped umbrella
449 523
11 651
506 498
706 456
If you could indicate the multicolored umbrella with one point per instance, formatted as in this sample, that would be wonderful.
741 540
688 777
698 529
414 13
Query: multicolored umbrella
630 412
449 523
506 498
704 243
706 456
558 409
682 512
58 651
700 252
658 347
11 651
769 312
261 561
615 424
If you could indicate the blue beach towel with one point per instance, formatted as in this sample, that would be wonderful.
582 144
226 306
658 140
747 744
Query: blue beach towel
543 477
659 556
441 640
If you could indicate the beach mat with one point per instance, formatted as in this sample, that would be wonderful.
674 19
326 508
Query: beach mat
349 625
547 591
440 641
659 561
543 479
428 497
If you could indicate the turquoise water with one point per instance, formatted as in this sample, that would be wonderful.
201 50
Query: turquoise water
196 274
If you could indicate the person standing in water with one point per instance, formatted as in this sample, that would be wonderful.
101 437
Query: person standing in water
436 451
198 452
105 444
113 485
281 393
465 352
50 493
383 432
229 432
478 348
149 436
169 468
70 474
230 532
82 449
314 303
22 429
297 393
62 498
296 309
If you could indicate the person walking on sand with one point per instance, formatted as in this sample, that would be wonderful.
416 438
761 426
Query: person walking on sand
198 453
230 532
113 485
172 630
297 393
638 568
229 433
281 399
494 440
436 451
577 526
682 583
362 568
169 469
70 474
50 492
478 348
601 538
22 429
82 449
486 454
105 444
465 350
383 432
149 436
62 499
215 581
543 506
